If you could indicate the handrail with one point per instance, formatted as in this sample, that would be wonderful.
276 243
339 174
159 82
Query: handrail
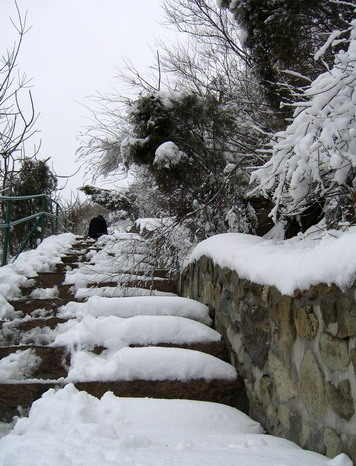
46 211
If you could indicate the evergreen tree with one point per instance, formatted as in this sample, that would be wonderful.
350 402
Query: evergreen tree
34 177
187 141
113 200
284 35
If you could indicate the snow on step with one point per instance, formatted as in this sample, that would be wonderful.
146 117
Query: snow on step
83 278
115 332
148 363
18 365
118 292
69 427
42 259
138 305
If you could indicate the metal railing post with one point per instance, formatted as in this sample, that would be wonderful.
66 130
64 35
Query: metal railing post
43 215
7 232
39 217
57 220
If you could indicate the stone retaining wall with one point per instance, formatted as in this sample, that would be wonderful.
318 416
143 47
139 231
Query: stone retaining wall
297 354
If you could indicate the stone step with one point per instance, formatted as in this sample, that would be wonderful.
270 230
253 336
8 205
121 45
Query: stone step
54 360
64 291
161 273
72 258
214 348
14 395
29 305
48 279
218 390
25 325
14 333
166 285
70 262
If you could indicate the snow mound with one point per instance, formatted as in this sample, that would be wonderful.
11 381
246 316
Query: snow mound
168 155
148 363
138 305
115 332
42 259
72 428
19 365
118 292
45 293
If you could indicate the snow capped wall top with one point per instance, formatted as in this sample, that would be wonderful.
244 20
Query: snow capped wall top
294 264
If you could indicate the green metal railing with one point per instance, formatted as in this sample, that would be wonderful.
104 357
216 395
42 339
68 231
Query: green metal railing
49 208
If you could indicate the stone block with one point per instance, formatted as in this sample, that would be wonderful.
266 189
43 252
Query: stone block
334 352
333 443
353 358
265 389
284 379
235 280
274 295
256 334
224 276
265 294
271 418
312 437
207 292
312 386
346 318
306 322
328 310
287 330
340 399
226 301
204 264
284 416
352 449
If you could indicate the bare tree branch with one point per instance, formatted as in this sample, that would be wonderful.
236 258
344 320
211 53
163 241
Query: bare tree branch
17 125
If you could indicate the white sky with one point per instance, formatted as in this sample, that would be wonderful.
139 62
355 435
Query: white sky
72 51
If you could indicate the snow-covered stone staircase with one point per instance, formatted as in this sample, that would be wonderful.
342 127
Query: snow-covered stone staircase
108 319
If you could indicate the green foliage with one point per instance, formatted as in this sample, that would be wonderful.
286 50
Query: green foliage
34 177
201 128
285 35
112 200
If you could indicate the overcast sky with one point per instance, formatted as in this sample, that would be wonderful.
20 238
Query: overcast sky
71 52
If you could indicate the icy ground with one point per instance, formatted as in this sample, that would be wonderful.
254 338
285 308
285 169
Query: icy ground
71 428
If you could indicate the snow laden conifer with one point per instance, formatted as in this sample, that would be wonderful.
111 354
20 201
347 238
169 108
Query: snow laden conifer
284 35
313 161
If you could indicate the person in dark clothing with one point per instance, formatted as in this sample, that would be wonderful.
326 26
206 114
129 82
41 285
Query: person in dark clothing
97 227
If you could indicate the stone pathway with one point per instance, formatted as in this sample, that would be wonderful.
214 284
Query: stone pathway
75 280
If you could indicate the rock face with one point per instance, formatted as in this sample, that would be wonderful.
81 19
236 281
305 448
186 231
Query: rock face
297 354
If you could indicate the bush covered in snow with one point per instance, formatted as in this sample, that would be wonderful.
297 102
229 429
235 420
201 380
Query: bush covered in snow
314 159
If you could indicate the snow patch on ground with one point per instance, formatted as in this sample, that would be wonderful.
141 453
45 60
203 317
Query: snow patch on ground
71 428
